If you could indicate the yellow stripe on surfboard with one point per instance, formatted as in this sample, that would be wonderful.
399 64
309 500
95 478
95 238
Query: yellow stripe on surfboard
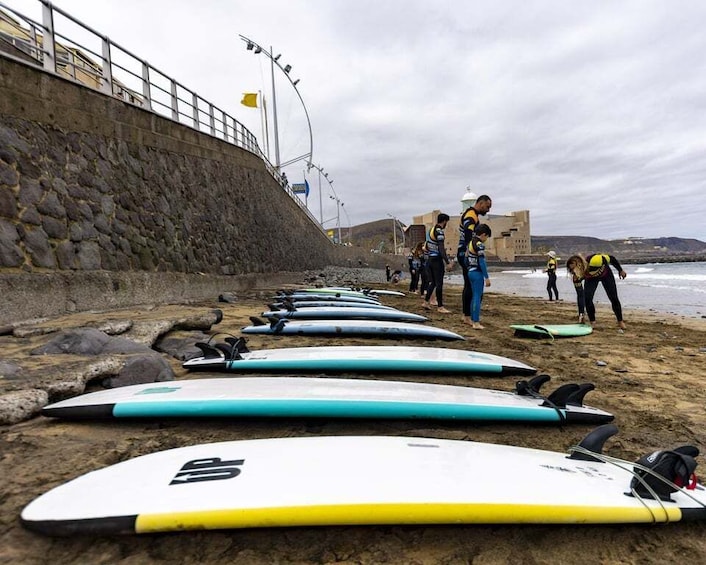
410 513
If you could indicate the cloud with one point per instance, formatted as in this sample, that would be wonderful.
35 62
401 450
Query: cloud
591 115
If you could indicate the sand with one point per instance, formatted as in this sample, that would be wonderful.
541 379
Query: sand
652 381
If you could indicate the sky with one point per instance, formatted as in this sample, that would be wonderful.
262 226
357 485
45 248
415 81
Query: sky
592 115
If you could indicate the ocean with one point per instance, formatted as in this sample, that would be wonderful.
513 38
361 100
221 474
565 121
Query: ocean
673 288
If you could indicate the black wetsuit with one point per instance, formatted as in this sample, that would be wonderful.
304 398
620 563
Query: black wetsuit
599 272
437 263
551 283
469 220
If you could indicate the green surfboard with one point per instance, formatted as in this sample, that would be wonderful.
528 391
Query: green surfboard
551 331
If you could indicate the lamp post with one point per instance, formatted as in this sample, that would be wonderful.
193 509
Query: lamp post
251 45
396 221
330 182
339 204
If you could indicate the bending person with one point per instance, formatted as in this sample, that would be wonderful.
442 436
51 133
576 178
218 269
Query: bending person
576 267
469 221
597 270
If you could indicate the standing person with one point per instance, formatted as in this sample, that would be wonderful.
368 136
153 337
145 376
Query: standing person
477 271
415 266
388 273
551 272
438 260
424 271
576 267
469 221
598 271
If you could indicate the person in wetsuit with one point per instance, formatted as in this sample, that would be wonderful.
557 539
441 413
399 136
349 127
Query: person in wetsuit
551 273
477 271
469 221
438 260
596 269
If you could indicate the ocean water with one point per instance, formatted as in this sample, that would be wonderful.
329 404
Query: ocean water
674 288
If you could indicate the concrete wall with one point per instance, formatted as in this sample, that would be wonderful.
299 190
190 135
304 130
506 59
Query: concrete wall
90 183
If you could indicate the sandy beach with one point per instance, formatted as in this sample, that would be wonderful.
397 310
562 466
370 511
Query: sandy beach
651 378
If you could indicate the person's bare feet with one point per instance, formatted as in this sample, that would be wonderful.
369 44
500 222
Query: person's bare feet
443 310
426 305
477 326
622 325
467 320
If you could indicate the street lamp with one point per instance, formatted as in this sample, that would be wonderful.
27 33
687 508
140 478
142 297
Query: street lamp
330 182
251 45
396 221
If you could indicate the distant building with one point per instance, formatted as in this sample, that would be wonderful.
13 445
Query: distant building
511 232
27 43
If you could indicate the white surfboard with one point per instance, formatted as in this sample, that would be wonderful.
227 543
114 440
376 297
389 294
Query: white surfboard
431 361
329 398
344 328
329 297
344 313
359 480
328 304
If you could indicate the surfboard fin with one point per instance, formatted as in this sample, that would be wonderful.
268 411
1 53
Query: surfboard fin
531 387
238 346
559 397
576 398
594 442
209 352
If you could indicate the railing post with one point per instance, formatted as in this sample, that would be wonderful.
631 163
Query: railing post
175 101
107 85
195 110
146 91
212 119
48 47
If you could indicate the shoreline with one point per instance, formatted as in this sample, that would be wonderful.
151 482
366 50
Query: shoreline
651 379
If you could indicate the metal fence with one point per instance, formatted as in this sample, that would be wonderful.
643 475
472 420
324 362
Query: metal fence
62 45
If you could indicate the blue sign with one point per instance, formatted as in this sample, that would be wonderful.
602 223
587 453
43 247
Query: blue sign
301 188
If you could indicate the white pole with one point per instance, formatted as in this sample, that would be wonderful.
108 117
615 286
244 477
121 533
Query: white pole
321 206
274 111
394 235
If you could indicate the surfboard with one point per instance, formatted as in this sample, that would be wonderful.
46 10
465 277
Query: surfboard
344 313
351 480
329 297
331 398
432 361
374 291
552 330
328 304
345 328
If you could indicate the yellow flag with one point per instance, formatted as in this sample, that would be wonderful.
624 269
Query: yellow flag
249 99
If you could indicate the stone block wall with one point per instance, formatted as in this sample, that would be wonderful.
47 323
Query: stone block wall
88 182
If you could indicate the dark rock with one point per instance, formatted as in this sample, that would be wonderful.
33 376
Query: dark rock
181 346
141 369
8 369
88 341
227 297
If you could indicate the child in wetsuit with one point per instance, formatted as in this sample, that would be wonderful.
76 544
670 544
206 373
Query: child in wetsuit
477 271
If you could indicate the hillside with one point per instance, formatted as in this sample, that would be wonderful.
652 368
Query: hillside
663 248
377 235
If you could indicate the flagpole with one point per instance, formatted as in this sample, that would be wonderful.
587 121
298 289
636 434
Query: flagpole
264 125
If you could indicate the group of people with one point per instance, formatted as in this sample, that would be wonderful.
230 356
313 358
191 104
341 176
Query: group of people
429 261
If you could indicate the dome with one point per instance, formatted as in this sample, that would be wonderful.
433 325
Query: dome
468 199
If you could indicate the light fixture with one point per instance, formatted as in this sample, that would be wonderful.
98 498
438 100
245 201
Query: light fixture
287 68
295 82
258 50
278 56
250 45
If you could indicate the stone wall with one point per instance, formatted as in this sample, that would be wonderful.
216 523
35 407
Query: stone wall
91 183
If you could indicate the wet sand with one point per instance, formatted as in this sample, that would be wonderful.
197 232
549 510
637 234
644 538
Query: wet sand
652 381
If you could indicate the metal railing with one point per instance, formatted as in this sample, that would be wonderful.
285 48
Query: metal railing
84 55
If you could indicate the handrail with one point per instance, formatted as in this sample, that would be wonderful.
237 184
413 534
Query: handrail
143 85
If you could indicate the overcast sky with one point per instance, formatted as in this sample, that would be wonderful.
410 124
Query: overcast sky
592 115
